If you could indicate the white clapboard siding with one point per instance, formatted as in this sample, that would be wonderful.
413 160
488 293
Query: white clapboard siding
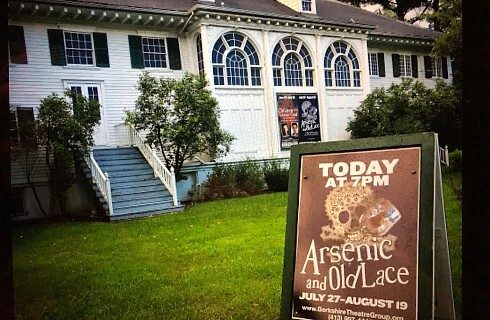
31 82
21 163
377 82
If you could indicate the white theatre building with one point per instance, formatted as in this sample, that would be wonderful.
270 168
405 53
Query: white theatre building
283 72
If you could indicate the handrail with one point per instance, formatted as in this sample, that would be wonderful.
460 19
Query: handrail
101 179
132 137
444 155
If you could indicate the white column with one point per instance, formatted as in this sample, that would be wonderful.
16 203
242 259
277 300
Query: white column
206 55
269 96
320 81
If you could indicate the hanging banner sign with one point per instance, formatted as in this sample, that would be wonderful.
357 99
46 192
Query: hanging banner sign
360 230
299 119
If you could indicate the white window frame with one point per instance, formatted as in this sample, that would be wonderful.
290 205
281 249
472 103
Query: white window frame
223 66
304 69
406 66
352 71
91 50
436 66
166 53
307 3
373 64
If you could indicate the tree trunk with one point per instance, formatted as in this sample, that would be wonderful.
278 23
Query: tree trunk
36 196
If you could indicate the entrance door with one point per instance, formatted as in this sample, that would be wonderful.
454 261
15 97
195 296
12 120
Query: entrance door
93 91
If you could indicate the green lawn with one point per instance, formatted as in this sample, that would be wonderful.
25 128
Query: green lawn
218 260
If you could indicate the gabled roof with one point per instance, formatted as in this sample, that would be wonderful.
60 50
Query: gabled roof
341 12
328 11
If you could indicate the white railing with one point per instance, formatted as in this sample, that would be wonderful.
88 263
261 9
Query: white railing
128 135
444 155
101 179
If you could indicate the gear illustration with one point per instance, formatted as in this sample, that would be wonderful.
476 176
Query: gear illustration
348 208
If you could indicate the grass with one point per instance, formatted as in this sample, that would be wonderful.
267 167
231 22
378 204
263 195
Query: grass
217 260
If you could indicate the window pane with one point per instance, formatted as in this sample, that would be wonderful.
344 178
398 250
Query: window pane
306 5
328 78
277 77
373 64
292 70
78 48
236 68
309 78
219 79
328 58
342 74
277 55
255 76
357 78
290 43
234 39
154 52
200 59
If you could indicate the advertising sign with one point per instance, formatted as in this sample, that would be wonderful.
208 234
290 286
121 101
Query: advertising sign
360 231
299 119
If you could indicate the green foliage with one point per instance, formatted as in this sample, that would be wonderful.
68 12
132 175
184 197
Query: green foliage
449 19
398 8
276 176
66 131
232 180
456 160
409 107
181 118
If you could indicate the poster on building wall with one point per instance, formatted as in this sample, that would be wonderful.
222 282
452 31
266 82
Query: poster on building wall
353 241
299 119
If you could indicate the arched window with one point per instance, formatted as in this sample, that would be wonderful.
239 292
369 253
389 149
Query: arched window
341 66
292 64
200 59
235 61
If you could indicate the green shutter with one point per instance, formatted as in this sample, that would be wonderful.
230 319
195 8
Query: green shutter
174 53
136 52
381 64
17 45
445 73
428 66
56 47
395 58
415 66
101 50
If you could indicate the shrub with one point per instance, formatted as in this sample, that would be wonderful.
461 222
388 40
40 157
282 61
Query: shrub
456 160
233 180
410 107
276 176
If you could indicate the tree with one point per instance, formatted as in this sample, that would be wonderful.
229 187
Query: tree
399 7
66 132
409 107
448 19
25 152
181 118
